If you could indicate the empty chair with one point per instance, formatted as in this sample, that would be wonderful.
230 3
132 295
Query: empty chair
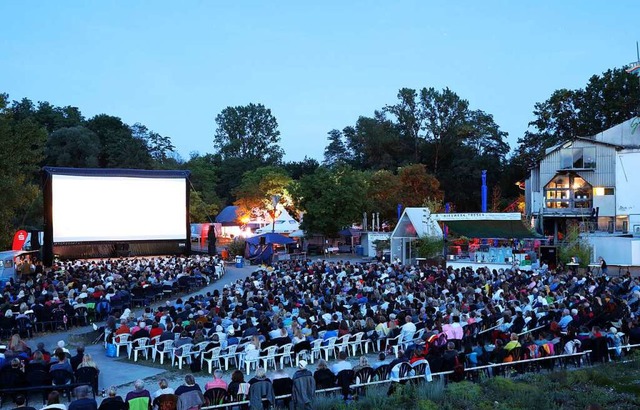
180 354
122 340
211 356
316 350
285 354
140 346
229 354
162 349
357 343
329 348
270 357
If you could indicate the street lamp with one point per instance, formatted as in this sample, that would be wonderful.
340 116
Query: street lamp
275 199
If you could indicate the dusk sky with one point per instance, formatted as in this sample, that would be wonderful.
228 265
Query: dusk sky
174 66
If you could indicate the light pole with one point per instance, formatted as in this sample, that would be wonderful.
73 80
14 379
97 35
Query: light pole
274 201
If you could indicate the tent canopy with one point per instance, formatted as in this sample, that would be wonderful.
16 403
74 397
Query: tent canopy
498 229
229 216
270 238
284 223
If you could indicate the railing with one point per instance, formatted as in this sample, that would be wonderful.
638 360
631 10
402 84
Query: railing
518 363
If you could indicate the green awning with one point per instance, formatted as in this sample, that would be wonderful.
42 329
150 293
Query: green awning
497 229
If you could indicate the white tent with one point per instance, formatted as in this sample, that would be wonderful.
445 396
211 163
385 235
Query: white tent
413 224
284 224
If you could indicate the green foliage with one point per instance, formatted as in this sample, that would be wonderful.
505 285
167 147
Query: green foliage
382 244
201 211
248 132
332 197
259 186
236 247
573 245
608 99
427 247
76 147
22 147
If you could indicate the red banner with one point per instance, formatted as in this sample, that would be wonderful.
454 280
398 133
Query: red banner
19 239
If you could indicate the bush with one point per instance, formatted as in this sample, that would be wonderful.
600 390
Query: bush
236 247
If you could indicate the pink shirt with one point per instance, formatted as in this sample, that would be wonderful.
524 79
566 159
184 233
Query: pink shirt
216 384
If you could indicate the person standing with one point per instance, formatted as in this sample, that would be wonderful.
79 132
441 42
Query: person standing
304 388
603 266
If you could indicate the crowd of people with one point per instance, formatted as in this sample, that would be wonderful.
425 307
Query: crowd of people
432 316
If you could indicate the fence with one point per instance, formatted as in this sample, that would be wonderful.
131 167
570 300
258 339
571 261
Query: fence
562 358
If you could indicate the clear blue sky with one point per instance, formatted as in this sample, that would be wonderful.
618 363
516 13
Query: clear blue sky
174 66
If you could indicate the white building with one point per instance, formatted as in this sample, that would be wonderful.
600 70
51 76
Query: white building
594 182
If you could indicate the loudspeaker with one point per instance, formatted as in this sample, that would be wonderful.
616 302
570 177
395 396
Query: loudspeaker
211 237
263 241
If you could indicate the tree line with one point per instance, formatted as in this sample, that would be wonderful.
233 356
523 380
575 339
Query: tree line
427 147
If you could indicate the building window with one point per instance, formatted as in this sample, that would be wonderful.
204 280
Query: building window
568 190
600 191
578 158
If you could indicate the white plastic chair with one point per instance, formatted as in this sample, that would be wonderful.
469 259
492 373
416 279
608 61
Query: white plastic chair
122 340
250 357
229 354
142 346
162 349
329 349
357 343
270 357
214 357
185 354
316 349
343 343
285 354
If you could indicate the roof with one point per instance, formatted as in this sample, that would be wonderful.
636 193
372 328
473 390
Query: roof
416 223
117 172
284 223
229 216
492 228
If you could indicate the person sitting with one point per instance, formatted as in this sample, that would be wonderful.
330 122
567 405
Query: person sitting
217 382
113 401
87 361
19 347
83 401
14 375
139 398
282 385
62 363
189 385
189 394
362 363
342 364
261 394
164 388
323 376
381 361
237 379
77 359
21 403
53 402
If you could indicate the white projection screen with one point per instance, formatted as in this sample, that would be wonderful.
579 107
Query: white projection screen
94 208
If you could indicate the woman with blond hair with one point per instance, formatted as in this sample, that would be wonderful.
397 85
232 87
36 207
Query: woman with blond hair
18 346
87 361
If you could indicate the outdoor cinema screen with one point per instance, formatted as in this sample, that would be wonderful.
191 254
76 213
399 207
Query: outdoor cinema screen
93 208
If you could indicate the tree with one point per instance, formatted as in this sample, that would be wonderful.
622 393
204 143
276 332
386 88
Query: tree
255 192
204 179
199 210
159 147
384 194
332 198
607 100
248 132
76 147
336 152
22 146
297 169
416 185
119 148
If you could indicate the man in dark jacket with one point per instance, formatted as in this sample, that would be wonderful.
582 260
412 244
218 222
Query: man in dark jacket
261 391
304 388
